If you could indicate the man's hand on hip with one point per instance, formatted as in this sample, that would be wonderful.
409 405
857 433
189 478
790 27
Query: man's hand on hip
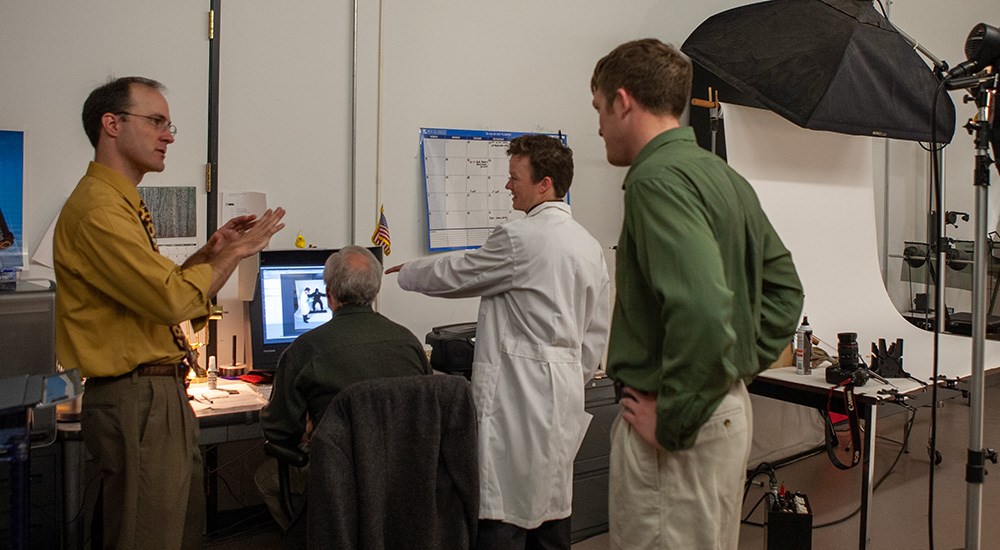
639 410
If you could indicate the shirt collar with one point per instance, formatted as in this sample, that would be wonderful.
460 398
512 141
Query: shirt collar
347 310
558 203
684 133
117 181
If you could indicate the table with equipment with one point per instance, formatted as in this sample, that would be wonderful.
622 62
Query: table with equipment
812 390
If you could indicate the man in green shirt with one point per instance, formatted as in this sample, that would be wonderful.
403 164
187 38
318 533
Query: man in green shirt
707 297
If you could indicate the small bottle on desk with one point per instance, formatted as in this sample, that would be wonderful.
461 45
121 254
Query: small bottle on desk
213 373
803 348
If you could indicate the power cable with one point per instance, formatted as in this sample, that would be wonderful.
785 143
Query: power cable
941 314
766 468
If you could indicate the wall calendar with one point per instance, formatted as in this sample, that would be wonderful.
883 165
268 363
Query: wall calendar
465 172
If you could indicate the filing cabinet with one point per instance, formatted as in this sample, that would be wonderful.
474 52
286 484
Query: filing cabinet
590 469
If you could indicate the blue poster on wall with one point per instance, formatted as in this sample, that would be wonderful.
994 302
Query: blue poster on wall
12 249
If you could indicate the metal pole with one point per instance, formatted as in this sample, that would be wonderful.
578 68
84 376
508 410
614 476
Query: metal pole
870 415
354 126
975 471
940 244
974 494
886 190
212 154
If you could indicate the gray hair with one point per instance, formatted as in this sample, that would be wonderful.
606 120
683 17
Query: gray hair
353 276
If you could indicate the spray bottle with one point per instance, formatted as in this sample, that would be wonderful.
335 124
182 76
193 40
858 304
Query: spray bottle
803 348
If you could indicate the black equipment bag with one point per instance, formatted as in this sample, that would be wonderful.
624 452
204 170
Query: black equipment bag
452 348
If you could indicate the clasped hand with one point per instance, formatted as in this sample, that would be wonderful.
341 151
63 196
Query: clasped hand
246 231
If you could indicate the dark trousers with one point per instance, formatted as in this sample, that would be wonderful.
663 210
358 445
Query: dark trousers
144 437
497 535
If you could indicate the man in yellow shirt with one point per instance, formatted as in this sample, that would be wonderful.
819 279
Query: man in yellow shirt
118 304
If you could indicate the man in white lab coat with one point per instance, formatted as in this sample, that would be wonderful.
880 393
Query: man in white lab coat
542 328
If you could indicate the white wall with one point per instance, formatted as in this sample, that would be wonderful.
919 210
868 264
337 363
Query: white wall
285 124
518 65
293 126
52 54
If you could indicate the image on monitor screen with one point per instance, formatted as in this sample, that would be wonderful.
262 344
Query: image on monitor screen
293 301
288 301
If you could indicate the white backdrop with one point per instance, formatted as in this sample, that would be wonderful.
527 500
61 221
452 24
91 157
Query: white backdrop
817 189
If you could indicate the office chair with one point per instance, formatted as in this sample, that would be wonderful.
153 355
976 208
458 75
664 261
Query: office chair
286 457
393 464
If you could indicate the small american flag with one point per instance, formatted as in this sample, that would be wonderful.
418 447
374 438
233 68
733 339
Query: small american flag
381 235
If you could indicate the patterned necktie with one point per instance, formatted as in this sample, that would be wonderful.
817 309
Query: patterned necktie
190 357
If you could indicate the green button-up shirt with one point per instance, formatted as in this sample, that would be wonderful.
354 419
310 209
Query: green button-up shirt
706 292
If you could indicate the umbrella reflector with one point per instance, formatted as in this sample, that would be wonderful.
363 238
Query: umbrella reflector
833 65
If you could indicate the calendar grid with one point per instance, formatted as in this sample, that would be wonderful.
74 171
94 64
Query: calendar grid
465 174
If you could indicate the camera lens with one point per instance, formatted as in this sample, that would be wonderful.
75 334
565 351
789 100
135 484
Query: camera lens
847 350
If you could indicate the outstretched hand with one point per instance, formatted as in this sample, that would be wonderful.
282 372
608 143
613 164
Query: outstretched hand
394 269
241 237
229 233
251 236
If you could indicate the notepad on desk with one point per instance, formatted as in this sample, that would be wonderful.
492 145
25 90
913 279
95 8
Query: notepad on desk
228 395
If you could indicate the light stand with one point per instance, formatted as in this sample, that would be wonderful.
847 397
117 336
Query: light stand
982 49
940 245
984 92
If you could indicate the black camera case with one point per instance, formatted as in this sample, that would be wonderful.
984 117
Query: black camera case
452 348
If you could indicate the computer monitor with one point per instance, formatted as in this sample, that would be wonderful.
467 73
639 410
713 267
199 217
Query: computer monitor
289 300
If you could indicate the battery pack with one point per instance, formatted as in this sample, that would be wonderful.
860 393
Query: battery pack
789 521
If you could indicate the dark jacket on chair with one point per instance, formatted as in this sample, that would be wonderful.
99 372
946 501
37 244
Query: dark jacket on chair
393 465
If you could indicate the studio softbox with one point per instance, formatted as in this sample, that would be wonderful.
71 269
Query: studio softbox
835 65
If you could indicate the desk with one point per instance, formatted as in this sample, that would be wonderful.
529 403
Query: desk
812 390
232 418
221 420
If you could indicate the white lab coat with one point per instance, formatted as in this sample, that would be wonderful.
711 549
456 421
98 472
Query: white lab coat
542 329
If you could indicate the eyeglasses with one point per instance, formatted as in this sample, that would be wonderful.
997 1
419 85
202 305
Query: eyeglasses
160 122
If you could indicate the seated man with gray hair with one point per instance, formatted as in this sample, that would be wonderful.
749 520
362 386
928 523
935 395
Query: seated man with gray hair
356 344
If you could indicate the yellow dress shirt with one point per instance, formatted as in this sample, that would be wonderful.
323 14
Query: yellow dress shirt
116 298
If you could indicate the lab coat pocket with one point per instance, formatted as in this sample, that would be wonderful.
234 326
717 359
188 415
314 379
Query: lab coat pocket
534 352
484 385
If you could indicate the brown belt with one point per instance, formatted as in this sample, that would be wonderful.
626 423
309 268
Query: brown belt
157 369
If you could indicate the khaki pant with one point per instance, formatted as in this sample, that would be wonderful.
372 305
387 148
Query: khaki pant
687 499
269 487
144 437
